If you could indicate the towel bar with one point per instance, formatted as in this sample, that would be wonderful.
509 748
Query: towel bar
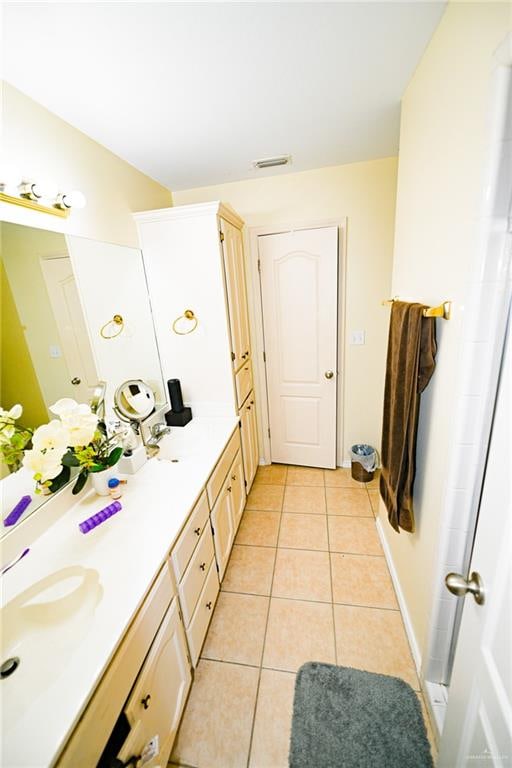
442 310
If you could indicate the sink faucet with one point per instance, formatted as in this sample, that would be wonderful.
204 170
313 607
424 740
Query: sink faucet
158 431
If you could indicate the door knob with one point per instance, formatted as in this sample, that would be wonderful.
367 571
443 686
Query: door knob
458 585
329 374
76 381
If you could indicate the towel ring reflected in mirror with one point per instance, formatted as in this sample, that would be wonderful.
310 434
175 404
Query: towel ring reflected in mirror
189 316
116 325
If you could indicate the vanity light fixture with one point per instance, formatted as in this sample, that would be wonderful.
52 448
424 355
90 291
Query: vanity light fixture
30 194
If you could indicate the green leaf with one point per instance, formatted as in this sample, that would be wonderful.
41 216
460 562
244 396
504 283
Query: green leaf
114 456
97 468
70 460
58 482
80 481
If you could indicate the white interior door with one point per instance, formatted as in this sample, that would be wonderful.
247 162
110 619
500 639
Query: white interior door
67 310
299 289
478 726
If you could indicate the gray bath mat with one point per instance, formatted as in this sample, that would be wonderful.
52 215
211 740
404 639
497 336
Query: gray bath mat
345 718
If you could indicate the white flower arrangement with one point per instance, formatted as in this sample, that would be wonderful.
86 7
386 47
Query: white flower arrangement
76 439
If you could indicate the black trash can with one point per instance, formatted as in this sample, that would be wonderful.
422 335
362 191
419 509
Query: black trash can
364 462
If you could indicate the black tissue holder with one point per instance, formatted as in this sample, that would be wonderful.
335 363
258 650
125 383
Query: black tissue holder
174 419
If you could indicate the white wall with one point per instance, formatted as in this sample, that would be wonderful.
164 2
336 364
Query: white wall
440 183
40 145
365 194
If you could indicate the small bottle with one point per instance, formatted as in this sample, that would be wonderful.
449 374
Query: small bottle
114 488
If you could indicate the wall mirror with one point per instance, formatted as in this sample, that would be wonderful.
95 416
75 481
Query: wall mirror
74 312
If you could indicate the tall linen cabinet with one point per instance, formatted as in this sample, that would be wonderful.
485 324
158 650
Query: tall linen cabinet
194 260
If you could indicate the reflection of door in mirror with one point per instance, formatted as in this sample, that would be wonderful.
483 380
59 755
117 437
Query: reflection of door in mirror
67 310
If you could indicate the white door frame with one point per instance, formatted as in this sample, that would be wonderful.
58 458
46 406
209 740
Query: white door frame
256 322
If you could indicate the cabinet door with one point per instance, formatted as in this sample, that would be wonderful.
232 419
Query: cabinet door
234 272
223 522
249 440
158 697
238 488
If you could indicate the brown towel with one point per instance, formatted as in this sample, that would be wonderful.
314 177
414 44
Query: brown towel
410 364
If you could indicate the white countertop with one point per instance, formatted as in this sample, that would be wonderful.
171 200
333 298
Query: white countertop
119 561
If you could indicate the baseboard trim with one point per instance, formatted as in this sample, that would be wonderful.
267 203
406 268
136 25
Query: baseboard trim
401 600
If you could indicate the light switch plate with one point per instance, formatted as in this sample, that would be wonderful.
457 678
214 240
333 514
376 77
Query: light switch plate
357 337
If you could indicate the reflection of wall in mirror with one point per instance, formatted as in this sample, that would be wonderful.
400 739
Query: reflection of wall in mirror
22 249
111 280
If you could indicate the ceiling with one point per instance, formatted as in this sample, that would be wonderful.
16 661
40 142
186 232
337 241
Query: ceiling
192 93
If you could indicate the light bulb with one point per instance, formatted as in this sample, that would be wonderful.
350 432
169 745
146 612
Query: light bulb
30 189
73 199
48 190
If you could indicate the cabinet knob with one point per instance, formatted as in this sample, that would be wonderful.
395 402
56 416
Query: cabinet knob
209 605
76 381
145 701
248 407
202 566
197 531
228 489
247 353
233 477
252 402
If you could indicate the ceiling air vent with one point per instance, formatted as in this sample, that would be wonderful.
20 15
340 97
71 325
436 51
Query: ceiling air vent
271 162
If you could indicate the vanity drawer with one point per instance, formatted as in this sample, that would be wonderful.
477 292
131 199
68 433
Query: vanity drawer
195 575
243 380
184 547
198 627
219 473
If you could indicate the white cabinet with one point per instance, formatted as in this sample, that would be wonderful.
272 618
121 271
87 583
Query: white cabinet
223 523
194 260
158 697
249 437
236 293
237 477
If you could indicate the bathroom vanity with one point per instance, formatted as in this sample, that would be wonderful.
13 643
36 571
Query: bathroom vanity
108 626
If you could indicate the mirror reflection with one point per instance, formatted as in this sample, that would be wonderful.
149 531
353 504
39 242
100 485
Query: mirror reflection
60 295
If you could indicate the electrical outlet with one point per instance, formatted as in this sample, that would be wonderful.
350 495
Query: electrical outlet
357 337
55 351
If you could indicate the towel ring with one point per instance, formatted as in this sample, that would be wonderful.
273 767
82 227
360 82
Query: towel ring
118 321
187 315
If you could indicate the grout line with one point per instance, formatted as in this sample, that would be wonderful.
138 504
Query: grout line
331 582
308 600
265 632
316 514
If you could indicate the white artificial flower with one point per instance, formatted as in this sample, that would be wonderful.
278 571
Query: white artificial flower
44 465
78 419
53 436
7 419
64 405
15 412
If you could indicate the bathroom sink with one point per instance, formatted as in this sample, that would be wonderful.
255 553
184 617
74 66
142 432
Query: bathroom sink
39 627
177 447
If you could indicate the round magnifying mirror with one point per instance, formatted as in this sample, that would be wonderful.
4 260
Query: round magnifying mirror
134 400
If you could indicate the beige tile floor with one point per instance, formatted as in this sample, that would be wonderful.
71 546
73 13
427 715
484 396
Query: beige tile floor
307 580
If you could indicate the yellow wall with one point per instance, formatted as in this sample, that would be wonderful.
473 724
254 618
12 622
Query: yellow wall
18 381
441 160
39 144
365 194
